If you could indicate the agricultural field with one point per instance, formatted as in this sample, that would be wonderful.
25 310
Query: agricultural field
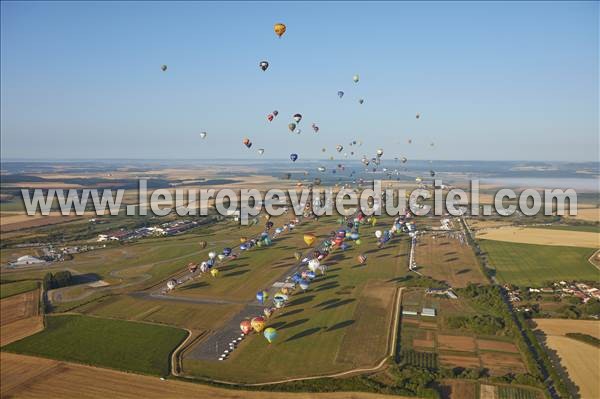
17 287
20 316
534 265
33 378
122 345
580 360
447 259
323 326
545 236
431 341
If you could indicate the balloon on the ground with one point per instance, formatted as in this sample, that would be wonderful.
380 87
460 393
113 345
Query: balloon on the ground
214 272
270 334
203 244
362 259
258 323
246 326
262 296
309 239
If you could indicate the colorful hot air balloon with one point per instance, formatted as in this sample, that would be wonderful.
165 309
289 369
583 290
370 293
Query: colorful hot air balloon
247 142
293 157
304 284
297 118
262 296
361 259
203 244
279 29
309 239
270 117
214 272
314 264
297 255
263 65
270 334
339 148
291 126
258 323
246 326
355 78
268 312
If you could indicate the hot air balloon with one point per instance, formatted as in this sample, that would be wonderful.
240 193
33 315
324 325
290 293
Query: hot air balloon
262 296
309 239
361 259
270 334
268 312
212 255
270 117
378 234
297 255
221 257
291 126
171 284
314 264
263 65
293 157
379 152
321 169
297 118
243 239
247 142
360 100
355 78
339 148
409 141
227 251
203 244
163 68
340 94
432 173
418 179
404 159
214 272
192 267
418 115
304 285
261 151
204 267
246 326
275 113
258 323
315 127
298 131
202 135
279 29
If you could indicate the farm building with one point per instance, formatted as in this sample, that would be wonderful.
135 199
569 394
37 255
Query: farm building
27 260
409 313
430 312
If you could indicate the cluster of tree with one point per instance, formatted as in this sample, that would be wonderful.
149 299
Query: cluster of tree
588 339
415 381
57 280
479 324
461 372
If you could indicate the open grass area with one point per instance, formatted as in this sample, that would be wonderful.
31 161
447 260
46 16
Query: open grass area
17 287
323 330
191 316
122 345
533 265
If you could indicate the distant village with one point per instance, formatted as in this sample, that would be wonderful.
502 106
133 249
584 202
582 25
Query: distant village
166 229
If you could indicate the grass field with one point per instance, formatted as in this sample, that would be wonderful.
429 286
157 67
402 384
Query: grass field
321 326
18 287
533 265
122 345
446 259
20 316
191 316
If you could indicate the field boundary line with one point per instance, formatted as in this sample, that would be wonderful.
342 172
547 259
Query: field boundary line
592 257
389 353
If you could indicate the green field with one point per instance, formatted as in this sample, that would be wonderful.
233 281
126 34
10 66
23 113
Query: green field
17 287
340 322
588 228
534 265
122 345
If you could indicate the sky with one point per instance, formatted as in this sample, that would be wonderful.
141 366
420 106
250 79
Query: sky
491 80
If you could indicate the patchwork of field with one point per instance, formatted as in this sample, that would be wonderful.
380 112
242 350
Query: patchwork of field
17 287
581 360
534 265
122 345
588 214
32 377
457 389
527 235
323 326
453 348
20 316
447 259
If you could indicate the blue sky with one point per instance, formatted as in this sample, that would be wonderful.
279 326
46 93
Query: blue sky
492 81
